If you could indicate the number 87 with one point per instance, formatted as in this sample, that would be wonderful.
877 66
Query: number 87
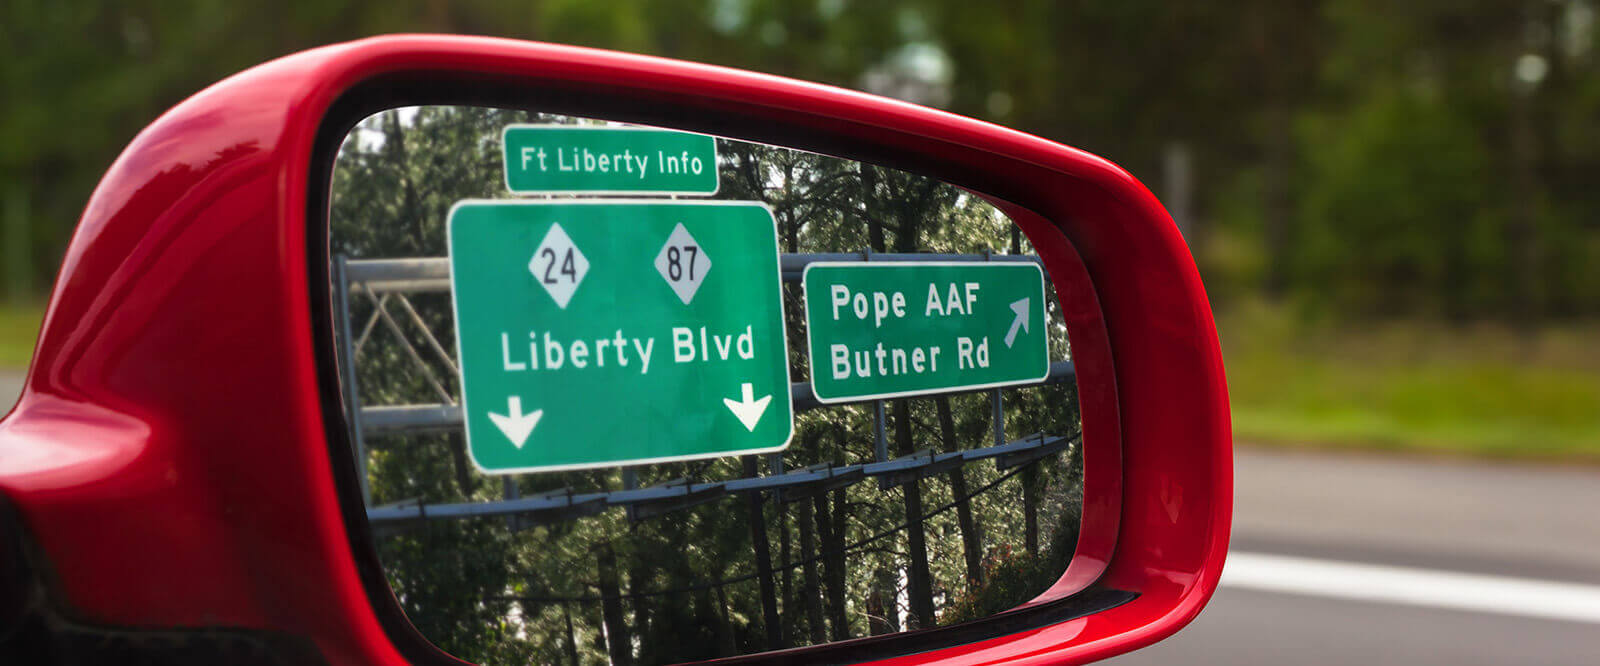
675 261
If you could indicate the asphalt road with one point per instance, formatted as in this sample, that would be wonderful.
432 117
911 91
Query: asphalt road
1470 541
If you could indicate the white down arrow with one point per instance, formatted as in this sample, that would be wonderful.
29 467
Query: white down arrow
516 426
750 409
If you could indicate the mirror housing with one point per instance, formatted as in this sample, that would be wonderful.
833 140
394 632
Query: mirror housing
177 462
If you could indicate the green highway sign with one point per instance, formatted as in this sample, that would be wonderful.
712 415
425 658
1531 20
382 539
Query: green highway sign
599 159
601 333
901 329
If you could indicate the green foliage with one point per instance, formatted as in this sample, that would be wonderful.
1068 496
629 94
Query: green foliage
1008 578
1372 158
1011 577
1412 385
1385 233
19 329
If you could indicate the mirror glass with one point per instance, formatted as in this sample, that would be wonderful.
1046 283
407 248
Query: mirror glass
629 395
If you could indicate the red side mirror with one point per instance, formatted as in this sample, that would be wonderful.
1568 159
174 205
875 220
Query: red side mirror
179 470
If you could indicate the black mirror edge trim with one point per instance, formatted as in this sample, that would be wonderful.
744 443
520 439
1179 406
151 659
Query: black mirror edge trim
1086 602
452 88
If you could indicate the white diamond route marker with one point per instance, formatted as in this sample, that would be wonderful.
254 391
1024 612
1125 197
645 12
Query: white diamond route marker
558 265
682 263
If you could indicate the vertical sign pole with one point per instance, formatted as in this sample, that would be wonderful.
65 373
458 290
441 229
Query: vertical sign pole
882 448
351 394
630 481
999 417
511 492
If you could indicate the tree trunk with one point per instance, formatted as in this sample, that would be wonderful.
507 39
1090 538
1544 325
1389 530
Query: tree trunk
638 581
726 647
619 644
1177 166
830 526
794 233
572 637
1030 507
919 581
971 540
813 584
786 590
598 642
1278 208
763 553
869 196
1520 231
881 616
458 458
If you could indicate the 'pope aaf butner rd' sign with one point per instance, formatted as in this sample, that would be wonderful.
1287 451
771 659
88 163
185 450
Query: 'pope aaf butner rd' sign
883 330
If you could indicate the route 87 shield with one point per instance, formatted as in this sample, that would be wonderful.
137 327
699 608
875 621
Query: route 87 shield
601 333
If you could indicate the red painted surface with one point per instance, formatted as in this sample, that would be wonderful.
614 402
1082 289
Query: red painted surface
169 453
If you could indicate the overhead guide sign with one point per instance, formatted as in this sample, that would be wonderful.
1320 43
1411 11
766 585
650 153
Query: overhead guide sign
900 329
602 159
599 333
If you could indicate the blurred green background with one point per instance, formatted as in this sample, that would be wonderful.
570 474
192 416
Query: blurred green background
1394 205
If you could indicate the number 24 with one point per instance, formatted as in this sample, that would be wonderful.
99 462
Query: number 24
568 268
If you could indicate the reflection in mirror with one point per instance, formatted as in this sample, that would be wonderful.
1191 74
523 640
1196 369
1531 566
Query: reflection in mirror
945 502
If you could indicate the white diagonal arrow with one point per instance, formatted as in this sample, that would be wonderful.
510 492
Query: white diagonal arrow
750 409
517 426
1021 308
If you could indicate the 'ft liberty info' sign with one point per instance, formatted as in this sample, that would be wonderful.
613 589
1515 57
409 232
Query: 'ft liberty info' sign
902 329
603 159
602 333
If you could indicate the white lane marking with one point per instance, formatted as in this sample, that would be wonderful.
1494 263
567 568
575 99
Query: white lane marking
1503 595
